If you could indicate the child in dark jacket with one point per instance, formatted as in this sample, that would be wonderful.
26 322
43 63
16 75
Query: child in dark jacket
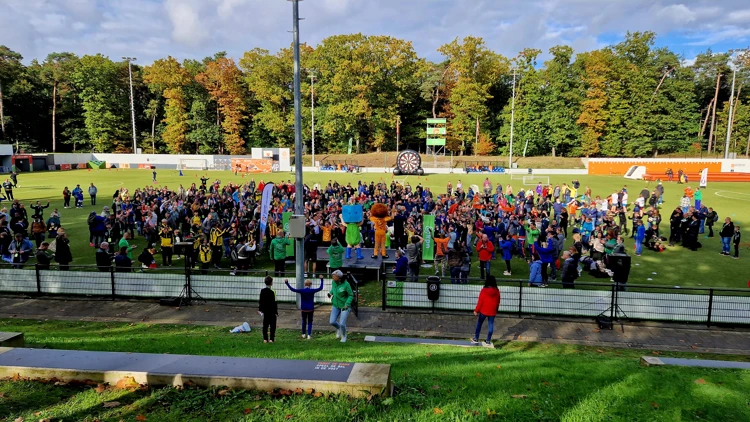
307 304
268 309
736 241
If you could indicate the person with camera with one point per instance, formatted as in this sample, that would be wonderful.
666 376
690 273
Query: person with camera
341 296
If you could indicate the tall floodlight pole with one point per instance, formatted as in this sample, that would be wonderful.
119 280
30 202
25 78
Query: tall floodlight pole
299 197
512 119
312 113
729 119
132 103
398 131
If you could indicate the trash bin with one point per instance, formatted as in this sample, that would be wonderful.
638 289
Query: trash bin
433 288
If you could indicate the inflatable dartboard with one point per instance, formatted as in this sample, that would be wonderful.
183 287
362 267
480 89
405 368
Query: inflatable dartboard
408 162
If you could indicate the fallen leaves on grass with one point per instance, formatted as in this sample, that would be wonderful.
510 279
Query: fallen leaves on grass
223 392
654 405
499 367
600 350
126 383
111 404
140 418
435 387
654 352
519 396
700 381
100 388
317 394
289 416
479 375
438 411
429 354
19 419
248 410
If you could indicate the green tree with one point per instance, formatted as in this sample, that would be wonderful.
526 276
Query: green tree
223 80
10 69
562 95
473 69
104 98
57 71
167 77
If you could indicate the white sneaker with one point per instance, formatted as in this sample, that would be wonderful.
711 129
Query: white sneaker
506 273
309 337
304 335
338 333
343 339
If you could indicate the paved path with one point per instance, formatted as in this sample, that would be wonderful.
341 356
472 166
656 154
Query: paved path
642 335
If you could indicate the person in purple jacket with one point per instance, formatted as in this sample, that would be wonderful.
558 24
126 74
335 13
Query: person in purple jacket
307 304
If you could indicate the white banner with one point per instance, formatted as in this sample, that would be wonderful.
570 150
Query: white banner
265 203
704 178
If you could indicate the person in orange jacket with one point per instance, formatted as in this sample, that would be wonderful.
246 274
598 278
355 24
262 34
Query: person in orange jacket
487 307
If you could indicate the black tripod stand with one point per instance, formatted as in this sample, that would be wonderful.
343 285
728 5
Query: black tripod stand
614 310
187 294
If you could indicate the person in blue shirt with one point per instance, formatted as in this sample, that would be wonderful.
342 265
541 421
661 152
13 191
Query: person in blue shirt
507 247
535 271
402 266
307 304
546 255
640 236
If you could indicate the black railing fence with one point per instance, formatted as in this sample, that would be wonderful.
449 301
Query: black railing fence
614 301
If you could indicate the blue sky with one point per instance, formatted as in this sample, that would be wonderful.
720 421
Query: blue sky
151 29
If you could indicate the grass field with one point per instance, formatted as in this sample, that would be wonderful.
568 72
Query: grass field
514 382
676 266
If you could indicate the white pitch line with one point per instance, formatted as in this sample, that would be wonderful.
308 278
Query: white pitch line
718 193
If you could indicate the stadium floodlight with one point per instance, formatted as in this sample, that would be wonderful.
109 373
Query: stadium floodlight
132 102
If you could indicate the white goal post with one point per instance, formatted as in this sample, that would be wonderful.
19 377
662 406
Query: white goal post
534 180
192 164
517 176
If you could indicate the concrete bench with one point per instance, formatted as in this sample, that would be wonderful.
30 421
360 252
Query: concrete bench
354 379
12 340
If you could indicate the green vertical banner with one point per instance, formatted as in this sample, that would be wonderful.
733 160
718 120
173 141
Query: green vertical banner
428 247
285 217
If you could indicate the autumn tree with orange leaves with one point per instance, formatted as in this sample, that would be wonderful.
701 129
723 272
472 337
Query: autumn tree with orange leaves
223 81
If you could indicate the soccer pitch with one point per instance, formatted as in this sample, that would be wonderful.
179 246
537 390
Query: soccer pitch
674 267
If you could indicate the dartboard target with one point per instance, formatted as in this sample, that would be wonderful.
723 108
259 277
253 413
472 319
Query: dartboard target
408 161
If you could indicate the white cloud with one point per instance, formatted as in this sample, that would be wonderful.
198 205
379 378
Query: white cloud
152 29
187 27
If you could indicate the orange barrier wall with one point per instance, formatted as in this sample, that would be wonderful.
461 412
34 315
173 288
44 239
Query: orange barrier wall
65 167
653 167
249 165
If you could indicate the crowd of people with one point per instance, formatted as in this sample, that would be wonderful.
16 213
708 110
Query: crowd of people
472 226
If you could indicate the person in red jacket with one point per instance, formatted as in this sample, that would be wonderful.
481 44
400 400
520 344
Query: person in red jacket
485 248
487 306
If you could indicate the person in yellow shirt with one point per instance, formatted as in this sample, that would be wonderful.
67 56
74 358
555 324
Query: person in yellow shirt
326 237
204 255
217 241
167 244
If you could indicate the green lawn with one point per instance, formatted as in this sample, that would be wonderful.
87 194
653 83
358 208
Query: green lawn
676 266
516 381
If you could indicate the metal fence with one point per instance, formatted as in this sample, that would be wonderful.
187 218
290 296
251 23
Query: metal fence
208 284
639 302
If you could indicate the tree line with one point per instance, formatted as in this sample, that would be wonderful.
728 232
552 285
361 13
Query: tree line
629 99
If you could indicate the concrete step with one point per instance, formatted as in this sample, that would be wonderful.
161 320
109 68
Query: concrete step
12 340
354 379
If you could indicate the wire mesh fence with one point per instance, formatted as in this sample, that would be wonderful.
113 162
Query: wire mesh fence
617 301
111 282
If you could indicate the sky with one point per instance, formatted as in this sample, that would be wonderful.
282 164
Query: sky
152 29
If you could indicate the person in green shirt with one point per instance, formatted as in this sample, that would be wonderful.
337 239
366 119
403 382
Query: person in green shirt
125 244
336 255
341 300
532 234
698 197
277 249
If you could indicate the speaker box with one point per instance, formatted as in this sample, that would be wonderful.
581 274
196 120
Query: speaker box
620 266
604 323
170 301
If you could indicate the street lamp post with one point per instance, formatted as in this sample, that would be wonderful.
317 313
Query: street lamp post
512 119
132 103
729 118
299 204
312 113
